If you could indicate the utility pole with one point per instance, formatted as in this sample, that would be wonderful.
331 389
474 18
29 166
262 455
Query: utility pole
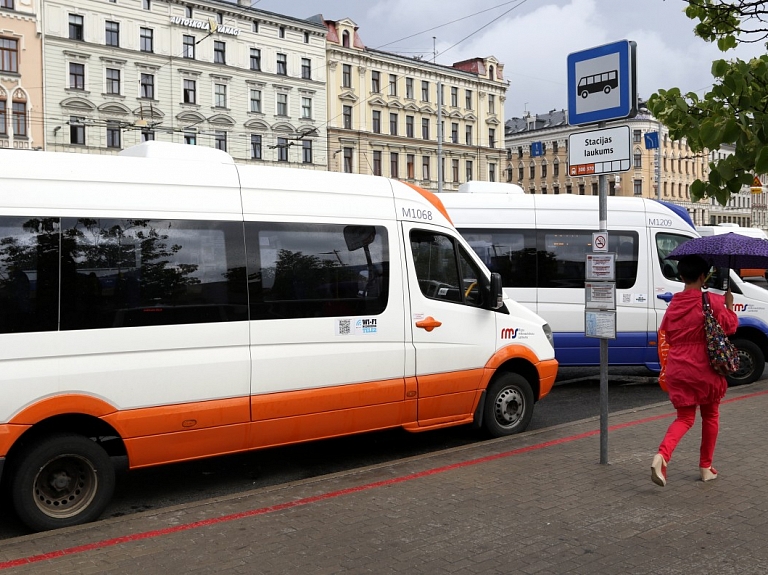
439 125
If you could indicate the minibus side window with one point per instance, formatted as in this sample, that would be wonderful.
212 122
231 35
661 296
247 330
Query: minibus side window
511 253
29 274
136 272
665 243
299 270
444 271
625 245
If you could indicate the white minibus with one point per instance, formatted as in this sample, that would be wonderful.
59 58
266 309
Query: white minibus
538 243
725 228
167 304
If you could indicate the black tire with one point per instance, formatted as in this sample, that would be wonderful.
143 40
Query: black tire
508 405
61 480
751 363
584 93
607 90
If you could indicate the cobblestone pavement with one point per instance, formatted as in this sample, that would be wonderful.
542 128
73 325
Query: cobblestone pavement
536 503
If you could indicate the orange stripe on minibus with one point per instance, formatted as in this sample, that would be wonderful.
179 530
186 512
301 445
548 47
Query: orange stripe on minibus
61 404
432 199
8 436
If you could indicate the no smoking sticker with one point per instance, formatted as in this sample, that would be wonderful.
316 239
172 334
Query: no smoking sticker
600 242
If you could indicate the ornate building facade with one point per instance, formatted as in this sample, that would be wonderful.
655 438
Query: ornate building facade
384 114
21 75
205 72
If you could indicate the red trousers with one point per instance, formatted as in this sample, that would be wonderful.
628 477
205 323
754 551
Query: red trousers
710 424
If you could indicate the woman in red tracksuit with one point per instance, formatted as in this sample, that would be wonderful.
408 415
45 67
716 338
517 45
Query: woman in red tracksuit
690 380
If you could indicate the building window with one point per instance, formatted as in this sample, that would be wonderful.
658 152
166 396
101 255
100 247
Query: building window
219 18
425 128
425 168
637 136
543 170
638 187
19 118
256 59
638 159
346 76
348 160
255 147
376 163
455 132
491 138
256 101
468 170
75 27
282 64
6 4
190 92
394 168
220 140
188 11
281 31
375 82
554 147
282 104
306 151
392 85
409 88
113 81
454 97
9 55
188 47
556 169
345 38
77 76
346 114
455 170
146 39
393 124
469 135
595 191
306 108
113 136
468 99
424 91
376 123
220 95
520 172
255 27
532 170
3 118
306 69
410 166
147 85
112 33
146 5
409 126
76 130
491 104
190 138
219 52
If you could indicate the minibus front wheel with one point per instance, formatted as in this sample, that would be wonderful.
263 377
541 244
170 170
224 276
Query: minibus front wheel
508 405
61 480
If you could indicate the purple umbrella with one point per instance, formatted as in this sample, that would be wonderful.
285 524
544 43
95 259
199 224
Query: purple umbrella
726 250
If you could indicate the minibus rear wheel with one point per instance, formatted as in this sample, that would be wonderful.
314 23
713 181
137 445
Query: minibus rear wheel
751 363
61 480
508 405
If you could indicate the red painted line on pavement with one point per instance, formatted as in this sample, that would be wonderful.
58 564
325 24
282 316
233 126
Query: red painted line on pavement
330 495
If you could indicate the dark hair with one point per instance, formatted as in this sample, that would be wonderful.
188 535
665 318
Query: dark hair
690 268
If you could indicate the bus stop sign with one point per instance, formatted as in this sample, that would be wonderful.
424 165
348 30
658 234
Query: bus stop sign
601 83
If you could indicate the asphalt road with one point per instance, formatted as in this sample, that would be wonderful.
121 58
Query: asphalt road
575 396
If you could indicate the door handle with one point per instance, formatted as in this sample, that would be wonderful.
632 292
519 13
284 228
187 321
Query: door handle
429 323
667 297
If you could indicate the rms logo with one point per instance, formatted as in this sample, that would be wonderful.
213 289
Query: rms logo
740 306
509 333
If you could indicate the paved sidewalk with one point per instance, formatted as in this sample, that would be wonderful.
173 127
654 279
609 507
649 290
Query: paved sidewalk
536 503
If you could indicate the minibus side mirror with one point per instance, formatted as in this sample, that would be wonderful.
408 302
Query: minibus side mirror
497 294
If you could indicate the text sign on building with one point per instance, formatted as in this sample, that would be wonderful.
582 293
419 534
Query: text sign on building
209 25
604 151
601 83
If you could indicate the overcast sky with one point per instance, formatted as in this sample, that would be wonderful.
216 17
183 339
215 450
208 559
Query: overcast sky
532 38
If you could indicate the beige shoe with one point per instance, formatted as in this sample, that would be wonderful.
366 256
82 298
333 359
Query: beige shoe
659 470
708 473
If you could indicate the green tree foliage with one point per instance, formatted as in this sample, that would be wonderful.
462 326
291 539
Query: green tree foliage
735 110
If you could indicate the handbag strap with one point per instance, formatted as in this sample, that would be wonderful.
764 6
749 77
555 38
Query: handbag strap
705 301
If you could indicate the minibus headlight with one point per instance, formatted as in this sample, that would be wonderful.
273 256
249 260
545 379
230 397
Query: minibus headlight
548 333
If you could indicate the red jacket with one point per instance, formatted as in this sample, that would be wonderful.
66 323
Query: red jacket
690 379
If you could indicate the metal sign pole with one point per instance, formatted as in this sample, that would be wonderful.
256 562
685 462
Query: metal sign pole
603 216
